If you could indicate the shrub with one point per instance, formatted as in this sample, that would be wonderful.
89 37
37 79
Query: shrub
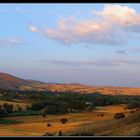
132 111
60 133
138 109
64 120
49 125
133 104
119 116
102 114
48 134
44 115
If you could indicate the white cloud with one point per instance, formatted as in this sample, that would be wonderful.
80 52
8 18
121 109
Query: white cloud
107 28
33 29
122 15
86 31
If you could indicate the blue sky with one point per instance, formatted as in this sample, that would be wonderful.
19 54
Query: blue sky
95 44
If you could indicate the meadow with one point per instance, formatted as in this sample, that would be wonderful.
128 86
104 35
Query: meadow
77 123
40 113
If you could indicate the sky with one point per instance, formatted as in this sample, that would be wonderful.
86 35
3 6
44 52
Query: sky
94 44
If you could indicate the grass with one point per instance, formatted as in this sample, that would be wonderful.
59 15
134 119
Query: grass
84 123
5 121
25 113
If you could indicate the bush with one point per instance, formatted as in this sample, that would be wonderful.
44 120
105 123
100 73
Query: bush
64 120
102 114
119 116
60 133
49 125
138 109
54 109
133 104
48 134
131 111
44 115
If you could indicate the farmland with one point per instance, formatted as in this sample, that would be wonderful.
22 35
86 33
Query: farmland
40 113
37 125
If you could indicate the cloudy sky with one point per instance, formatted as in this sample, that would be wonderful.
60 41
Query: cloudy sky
95 44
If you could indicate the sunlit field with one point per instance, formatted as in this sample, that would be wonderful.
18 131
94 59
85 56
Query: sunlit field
37 125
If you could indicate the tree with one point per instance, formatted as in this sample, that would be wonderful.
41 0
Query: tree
64 120
133 104
27 107
43 115
102 114
60 133
7 108
19 109
119 116
1 110
49 125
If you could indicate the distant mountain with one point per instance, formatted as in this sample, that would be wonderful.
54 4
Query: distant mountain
35 82
8 81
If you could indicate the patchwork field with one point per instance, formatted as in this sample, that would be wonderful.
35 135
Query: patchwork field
77 122
84 89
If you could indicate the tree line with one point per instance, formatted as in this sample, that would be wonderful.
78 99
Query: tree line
65 102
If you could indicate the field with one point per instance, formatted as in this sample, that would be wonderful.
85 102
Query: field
15 103
77 122
84 89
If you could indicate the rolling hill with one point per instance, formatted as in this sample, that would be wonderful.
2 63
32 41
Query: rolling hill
8 81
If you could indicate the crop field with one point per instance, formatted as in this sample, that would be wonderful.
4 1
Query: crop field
37 125
84 89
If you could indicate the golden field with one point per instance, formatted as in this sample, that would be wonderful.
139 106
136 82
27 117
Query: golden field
77 122
84 89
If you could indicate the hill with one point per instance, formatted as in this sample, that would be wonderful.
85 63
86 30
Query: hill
8 81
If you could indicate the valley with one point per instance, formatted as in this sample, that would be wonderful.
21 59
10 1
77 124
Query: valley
33 108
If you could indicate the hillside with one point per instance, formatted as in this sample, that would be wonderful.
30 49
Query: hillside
8 81
79 123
